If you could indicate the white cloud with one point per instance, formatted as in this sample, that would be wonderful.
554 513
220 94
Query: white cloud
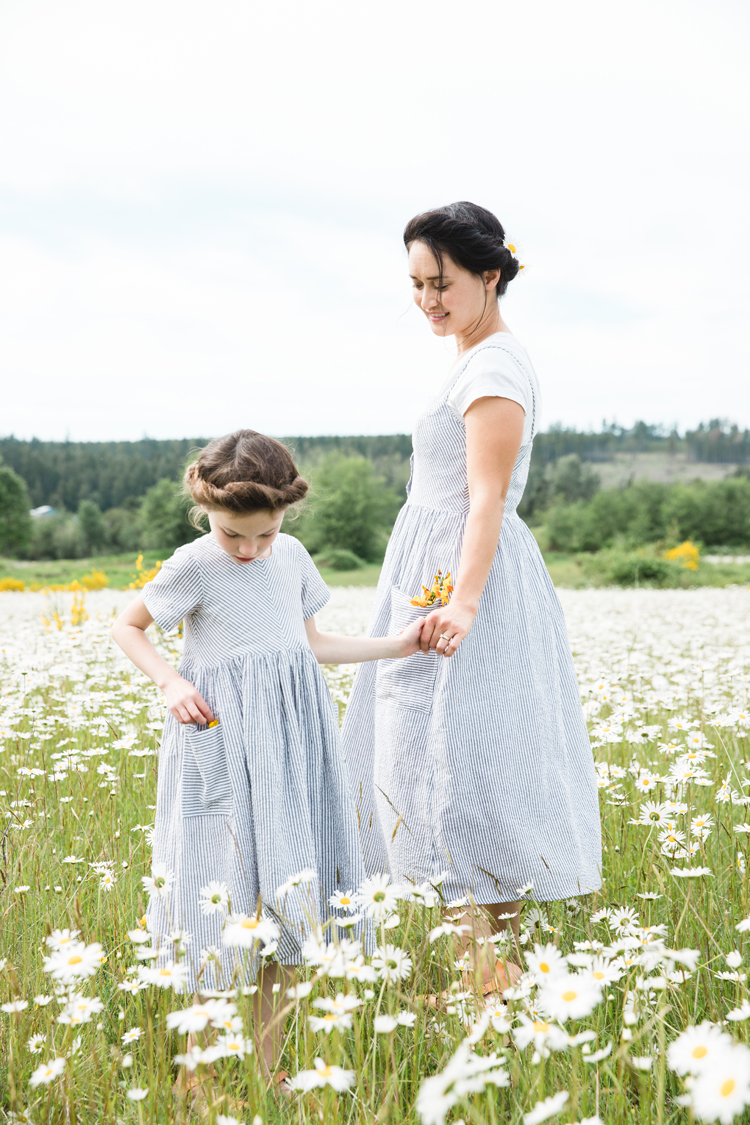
204 206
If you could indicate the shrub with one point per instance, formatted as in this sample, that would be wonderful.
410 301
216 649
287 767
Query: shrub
12 584
16 524
339 558
95 580
618 567
164 517
350 509
91 530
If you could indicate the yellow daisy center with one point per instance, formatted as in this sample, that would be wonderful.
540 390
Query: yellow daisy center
700 1052
330 1016
569 995
540 1025
250 924
345 901
164 973
75 959
543 967
327 1071
598 975
727 1087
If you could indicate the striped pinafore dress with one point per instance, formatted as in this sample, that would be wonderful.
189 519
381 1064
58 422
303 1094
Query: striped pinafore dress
478 765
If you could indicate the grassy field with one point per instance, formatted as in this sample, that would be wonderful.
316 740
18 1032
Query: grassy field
573 571
120 570
608 1019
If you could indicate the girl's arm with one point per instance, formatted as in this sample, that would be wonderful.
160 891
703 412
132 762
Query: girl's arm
494 429
329 648
129 631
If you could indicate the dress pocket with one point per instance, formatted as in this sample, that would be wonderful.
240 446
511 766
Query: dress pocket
206 788
409 682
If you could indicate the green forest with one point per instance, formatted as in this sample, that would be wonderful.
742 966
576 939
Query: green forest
109 498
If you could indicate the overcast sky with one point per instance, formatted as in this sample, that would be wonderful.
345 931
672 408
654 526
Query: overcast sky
201 207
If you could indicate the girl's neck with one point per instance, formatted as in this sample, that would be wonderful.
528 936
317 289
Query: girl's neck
488 326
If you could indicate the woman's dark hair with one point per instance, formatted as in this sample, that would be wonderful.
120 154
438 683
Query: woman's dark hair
468 234
241 473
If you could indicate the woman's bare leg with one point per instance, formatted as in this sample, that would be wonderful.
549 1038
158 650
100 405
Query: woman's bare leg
484 921
269 1034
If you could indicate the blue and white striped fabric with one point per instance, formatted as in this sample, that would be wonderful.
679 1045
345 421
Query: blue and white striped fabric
264 795
481 763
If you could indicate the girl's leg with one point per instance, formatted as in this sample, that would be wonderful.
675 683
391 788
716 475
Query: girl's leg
269 1032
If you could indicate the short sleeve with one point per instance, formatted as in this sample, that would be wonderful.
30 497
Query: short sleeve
315 593
493 372
175 591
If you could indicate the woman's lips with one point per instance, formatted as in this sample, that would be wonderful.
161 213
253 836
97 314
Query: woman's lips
437 316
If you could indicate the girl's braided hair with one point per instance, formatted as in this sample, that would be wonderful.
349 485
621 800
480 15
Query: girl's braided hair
241 473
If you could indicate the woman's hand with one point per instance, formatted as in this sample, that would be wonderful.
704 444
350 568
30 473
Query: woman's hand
445 628
407 642
185 702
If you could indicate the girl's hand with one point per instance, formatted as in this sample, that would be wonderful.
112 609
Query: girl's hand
445 628
185 702
407 643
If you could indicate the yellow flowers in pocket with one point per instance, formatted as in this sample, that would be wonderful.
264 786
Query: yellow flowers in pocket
441 590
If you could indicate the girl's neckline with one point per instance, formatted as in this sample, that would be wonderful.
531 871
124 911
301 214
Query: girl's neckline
462 356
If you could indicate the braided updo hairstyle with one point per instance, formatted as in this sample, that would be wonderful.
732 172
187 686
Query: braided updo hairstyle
243 472
468 234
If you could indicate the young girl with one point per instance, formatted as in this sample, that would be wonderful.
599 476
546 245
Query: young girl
263 794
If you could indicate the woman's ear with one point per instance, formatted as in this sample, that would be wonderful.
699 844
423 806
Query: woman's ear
491 279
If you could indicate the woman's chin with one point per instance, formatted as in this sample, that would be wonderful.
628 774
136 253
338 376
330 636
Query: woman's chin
441 327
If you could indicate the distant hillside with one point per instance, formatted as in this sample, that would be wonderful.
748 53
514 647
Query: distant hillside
117 474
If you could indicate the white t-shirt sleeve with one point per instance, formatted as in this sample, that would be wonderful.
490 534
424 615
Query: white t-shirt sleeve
493 372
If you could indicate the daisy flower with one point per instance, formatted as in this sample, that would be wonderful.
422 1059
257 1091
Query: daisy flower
698 1048
345 900
392 963
546 1109
323 1075
47 1073
58 939
131 1036
541 1033
721 1092
74 962
35 1044
246 930
545 962
214 898
171 975
338 1013
378 897
569 996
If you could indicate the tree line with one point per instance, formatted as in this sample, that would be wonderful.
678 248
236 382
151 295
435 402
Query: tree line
113 497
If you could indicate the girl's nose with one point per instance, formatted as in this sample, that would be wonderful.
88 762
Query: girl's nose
428 299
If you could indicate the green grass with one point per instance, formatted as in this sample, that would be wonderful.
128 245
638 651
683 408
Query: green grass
571 571
74 695
121 568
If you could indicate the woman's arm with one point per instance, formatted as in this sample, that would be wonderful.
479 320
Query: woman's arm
494 429
329 648
129 631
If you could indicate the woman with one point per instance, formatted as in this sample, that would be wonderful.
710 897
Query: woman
472 756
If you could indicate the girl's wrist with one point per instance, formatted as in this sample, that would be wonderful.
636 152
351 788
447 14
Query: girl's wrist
461 601
167 678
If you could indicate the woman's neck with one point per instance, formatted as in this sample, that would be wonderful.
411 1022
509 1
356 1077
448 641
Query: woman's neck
488 326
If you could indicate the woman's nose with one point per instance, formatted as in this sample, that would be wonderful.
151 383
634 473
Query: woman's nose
428 299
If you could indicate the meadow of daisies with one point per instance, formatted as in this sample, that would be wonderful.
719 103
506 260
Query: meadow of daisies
633 1005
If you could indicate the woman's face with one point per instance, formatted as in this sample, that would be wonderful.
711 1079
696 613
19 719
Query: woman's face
462 303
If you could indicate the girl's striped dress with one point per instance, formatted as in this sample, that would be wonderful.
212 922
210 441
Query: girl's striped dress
265 795
478 764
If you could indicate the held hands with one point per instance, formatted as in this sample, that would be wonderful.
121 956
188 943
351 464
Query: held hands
445 628
185 702
407 643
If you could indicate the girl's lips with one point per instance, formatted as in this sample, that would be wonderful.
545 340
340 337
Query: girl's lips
437 316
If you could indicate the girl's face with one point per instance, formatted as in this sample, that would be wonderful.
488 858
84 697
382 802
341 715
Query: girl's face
462 305
245 537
